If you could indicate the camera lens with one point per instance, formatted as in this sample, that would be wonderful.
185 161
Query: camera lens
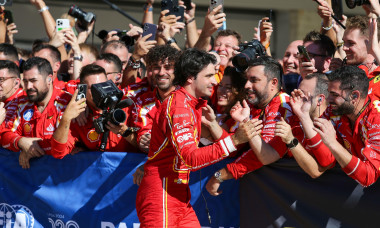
118 116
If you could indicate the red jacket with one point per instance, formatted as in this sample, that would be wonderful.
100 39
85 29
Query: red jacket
363 143
136 89
29 122
278 107
175 136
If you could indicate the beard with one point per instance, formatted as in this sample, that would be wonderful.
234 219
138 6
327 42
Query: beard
344 109
39 96
260 97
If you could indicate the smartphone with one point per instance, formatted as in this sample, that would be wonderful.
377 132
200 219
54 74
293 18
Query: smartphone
258 30
179 11
62 24
337 7
8 15
150 29
82 90
305 55
216 3
188 4
168 5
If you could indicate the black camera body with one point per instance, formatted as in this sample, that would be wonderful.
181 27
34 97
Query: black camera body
248 51
84 19
122 34
106 97
353 3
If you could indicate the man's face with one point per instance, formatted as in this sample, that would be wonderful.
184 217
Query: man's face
205 81
257 86
35 85
317 56
339 99
307 86
291 63
90 80
224 47
122 53
163 74
355 47
111 71
8 84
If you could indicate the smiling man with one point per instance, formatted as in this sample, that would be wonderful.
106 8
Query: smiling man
164 195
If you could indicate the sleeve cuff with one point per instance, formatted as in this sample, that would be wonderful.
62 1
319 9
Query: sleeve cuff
314 142
59 150
224 134
227 145
352 166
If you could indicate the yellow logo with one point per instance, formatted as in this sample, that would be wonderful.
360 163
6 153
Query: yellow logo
347 145
377 105
377 79
27 128
93 136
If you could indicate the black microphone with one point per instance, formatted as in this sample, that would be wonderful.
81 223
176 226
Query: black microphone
125 103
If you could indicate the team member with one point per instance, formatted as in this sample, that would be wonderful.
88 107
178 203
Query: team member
68 134
37 113
10 81
357 148
163 196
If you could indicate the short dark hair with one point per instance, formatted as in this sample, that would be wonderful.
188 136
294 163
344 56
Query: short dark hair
229 32
160 53
115 44
190 63
11 66
272 68
90 69
325 43
351 78
322 83
43 66
111 58
54 52
9 51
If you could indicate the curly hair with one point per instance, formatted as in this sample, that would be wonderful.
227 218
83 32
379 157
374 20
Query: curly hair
160 53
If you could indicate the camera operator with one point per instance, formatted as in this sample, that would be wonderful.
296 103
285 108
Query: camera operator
70 134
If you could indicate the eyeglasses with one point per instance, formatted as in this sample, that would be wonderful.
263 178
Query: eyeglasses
2 80
312 55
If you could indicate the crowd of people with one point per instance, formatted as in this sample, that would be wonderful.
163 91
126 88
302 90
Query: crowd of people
192 106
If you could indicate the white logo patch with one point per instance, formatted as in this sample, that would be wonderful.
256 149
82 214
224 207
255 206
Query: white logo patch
28 114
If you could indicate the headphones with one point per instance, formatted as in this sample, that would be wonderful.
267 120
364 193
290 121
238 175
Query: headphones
320 99
49 79
354 96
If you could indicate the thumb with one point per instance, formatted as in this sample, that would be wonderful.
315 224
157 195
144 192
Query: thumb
1 105
73 98
130 26
282 119
245 104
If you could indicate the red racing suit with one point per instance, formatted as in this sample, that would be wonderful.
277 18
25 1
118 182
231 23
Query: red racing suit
143 114
29 122
363 143
89 138
278 107
163 196
59 84
8 103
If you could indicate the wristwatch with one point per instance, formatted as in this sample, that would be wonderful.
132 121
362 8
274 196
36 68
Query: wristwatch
292 143
79 58
170 41
135 64
218 175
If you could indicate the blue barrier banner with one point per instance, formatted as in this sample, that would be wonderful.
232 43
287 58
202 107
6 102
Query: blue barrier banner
94 189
